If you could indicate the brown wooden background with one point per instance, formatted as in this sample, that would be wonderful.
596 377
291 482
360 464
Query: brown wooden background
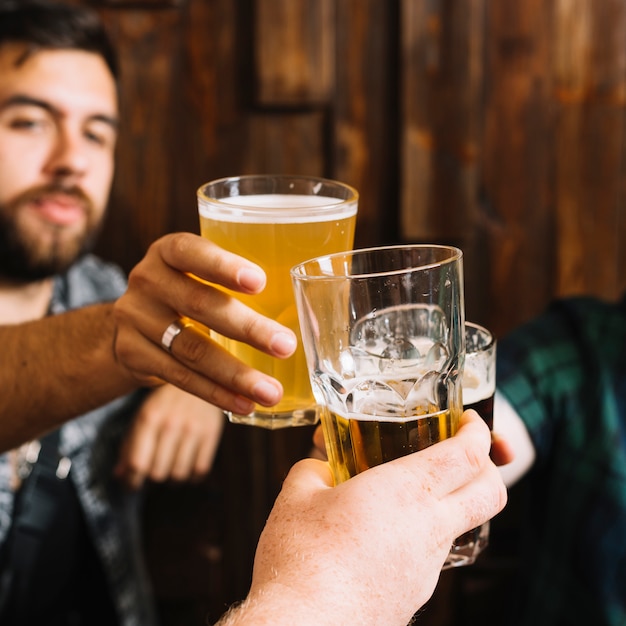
496 125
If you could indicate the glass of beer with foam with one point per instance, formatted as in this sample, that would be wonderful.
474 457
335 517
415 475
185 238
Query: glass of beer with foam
478 389
479 374
278 221
384 337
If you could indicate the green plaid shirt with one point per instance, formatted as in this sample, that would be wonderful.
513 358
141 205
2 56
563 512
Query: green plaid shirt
565 374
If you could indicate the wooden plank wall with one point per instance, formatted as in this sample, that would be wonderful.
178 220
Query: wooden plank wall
494 125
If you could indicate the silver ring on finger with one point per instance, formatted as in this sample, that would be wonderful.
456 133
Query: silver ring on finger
171 332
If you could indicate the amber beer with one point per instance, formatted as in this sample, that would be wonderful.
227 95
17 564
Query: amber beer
276 242
356 443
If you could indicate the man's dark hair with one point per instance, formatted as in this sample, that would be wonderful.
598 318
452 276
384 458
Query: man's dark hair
45 25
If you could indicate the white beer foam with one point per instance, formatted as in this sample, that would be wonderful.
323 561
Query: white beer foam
475 389
274 209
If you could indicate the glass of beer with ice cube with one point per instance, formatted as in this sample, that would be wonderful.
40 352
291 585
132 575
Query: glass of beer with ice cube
384 337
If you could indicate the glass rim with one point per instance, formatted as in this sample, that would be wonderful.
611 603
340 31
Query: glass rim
486 331
229 205
297 271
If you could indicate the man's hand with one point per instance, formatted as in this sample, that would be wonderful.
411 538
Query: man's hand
162 288
174 436
370 550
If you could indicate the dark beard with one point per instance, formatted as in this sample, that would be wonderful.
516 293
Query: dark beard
21 262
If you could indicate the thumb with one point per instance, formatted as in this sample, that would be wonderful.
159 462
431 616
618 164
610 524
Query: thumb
308 475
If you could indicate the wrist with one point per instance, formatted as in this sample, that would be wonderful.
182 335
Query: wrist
103 350
275 604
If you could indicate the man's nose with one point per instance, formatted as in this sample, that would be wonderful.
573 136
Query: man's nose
68 156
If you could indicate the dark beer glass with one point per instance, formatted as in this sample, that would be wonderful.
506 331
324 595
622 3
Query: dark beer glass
478 389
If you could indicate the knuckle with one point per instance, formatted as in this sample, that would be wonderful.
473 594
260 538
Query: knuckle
119 308
252 326
135 465
171 424
196 302
123 315
195 348
502 493
495 493
125 355
476 451
475 458
177 244
158 475
238 379
139 275
201 469
177 475
180 376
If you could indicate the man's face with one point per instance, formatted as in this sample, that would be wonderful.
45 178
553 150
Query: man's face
58 127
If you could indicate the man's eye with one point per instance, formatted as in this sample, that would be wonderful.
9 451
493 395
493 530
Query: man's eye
96 138
100 135
23 123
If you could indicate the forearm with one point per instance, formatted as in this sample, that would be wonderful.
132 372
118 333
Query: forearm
56 369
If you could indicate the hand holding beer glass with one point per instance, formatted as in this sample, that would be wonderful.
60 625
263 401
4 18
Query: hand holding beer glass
383 333
277 222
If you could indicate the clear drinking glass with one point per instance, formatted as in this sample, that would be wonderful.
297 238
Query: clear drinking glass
278 221
479 374
478 390
384 337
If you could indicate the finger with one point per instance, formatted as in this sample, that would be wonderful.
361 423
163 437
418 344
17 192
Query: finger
189 255
166 449
213 361
136 456
187 252
308 475
185 296
448 465
121 467
194 348
476 501
502 453
204 456
216 376
185 458
208 440
306 478
204 355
